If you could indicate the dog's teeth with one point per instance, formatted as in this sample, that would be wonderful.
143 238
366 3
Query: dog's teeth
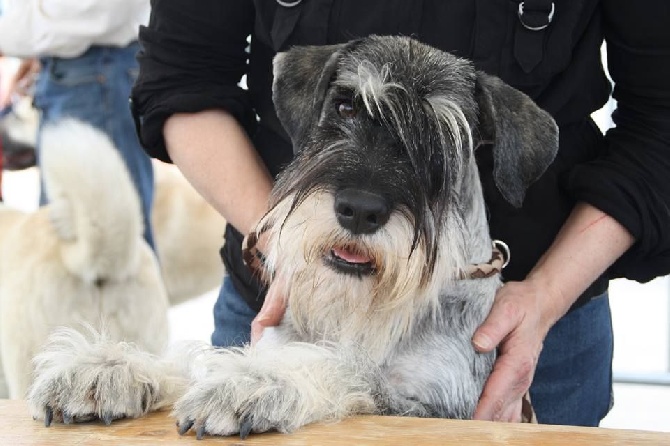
48 416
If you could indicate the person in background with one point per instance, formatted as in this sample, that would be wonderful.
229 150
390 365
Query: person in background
8 76
602 210
86 50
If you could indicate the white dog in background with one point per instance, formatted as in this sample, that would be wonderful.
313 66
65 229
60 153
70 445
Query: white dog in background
82 258
187 230
188 234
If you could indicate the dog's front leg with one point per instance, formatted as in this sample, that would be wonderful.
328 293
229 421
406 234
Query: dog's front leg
279 387
80 378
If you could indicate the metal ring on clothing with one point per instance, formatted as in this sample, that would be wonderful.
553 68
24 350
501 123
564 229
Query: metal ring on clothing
504 249
286 4
550 17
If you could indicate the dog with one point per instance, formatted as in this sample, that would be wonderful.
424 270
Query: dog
186 228
379 229
80 258
187 231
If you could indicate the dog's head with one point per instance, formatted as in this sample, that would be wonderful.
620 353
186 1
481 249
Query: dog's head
384 130
377 75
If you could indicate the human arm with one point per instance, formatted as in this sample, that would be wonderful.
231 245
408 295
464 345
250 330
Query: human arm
191 109
228 173
589 242
16 78
624 225
66 28
225 169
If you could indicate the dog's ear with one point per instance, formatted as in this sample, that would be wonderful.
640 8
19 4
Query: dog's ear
302 76
524 137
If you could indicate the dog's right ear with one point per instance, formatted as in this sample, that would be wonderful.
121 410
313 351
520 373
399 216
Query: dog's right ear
302 76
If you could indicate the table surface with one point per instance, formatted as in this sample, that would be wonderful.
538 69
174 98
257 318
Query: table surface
18 428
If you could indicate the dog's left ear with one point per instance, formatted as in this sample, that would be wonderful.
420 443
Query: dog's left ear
525 137
302 76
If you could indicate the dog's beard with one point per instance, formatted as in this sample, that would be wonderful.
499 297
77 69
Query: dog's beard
363 289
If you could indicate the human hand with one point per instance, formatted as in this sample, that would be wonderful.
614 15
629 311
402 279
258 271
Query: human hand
16 78
274 305
26 76
520 319
272 311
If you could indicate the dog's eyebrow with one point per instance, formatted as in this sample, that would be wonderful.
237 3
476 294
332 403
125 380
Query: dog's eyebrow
372 84
448 111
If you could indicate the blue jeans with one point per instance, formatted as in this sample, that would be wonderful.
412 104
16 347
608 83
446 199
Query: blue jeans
573 380
232 317
95 88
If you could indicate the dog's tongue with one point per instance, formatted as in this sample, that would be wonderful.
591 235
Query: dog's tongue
351 257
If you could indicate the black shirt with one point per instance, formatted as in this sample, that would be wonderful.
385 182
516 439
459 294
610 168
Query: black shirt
194 54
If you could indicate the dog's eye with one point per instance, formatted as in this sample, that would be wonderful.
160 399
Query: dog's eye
345 109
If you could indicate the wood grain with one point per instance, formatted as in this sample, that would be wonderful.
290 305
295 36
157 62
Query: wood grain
17 428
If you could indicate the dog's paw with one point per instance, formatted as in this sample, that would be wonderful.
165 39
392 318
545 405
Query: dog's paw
241 402
80 380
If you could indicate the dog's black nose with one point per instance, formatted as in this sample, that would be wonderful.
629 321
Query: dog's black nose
361 212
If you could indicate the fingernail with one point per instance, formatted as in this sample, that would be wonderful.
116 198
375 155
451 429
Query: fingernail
482 342
261 318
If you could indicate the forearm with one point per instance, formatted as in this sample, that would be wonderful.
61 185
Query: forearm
216 156
524 312
589 242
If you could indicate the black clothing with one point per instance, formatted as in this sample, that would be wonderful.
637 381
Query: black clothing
195 53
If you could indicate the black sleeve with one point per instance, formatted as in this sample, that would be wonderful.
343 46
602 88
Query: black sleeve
194 53
631 180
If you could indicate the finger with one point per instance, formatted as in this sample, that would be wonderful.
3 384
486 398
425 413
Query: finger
512 414
492 401
501 397
506 314
270 315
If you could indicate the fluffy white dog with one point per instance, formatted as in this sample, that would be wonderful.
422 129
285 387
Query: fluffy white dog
80 258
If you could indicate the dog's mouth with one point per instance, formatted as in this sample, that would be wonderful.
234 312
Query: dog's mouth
350 260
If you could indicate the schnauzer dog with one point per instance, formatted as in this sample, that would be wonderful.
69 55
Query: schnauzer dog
379 229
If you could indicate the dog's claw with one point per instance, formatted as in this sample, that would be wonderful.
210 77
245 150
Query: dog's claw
107 418
188 424
245 427
200 432
48 416
67 418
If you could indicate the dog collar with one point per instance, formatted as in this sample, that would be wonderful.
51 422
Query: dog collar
500 257
252 256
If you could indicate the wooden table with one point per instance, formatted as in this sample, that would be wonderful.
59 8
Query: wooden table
18 428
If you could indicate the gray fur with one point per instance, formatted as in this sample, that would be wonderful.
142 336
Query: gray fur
525 137
393 341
